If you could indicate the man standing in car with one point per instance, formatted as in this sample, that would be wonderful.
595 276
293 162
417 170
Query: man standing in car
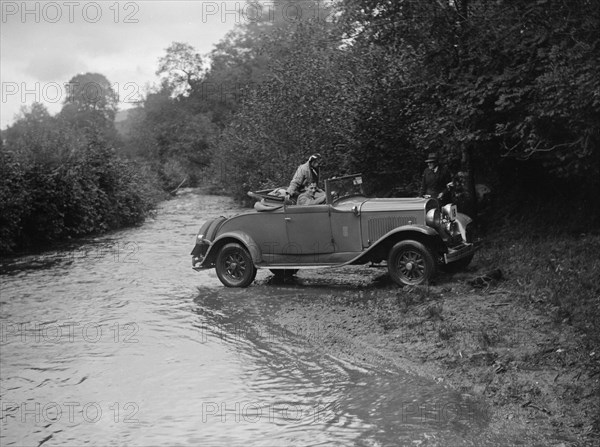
306 174
436 179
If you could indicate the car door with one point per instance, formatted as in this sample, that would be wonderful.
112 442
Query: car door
308 232
345 225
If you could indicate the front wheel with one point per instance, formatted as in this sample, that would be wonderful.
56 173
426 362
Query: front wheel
234 266
411 263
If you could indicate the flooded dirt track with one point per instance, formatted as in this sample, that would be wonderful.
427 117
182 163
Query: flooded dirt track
118 342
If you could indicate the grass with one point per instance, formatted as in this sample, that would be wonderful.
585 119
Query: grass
560 275
556 277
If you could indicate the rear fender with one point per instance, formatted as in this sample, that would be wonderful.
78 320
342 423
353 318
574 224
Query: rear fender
233 236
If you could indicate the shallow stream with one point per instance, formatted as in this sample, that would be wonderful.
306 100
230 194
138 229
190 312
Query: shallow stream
117 341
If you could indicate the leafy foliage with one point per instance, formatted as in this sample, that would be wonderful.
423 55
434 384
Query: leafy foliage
298 111
481 83
91 105
167 133
58 182
505 92
181 68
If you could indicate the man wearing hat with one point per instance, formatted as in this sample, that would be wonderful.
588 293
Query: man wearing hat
306 174
435 178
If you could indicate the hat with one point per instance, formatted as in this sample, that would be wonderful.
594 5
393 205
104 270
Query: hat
314 157
432 157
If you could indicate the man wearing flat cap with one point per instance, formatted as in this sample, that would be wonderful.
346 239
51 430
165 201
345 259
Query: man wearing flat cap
306 174
435 178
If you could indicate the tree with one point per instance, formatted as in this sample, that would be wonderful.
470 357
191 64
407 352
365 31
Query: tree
305 105
91 92
91 104
36 137
181 68
482 82
59 180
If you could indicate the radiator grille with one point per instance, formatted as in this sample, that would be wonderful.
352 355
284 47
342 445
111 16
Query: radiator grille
378 226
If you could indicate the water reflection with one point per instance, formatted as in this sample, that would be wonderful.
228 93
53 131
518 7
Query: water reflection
354 404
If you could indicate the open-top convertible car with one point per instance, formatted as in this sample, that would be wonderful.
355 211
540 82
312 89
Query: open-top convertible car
413 235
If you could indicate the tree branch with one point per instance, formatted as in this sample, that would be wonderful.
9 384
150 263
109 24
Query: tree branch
550 149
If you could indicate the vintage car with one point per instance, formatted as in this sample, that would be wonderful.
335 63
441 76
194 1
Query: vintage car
415 236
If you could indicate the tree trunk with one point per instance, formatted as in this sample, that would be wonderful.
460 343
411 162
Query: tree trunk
469 197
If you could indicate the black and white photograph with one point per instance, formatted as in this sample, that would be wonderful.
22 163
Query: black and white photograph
272 223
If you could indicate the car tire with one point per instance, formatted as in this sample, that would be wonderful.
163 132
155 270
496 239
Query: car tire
234 266
283 273
411 263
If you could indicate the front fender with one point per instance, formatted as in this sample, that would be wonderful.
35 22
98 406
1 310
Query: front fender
232 236
463 220
407 230
418 232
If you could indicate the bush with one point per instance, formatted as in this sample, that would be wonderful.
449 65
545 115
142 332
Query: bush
14 201
93 193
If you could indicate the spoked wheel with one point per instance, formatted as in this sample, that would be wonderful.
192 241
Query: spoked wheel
411 263
234 266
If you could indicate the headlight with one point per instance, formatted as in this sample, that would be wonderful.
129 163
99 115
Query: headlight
452 228
433 218
449 212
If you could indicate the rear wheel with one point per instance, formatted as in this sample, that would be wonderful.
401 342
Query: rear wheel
411 263
234 266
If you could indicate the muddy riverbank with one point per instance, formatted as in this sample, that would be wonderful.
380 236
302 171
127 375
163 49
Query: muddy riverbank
535 377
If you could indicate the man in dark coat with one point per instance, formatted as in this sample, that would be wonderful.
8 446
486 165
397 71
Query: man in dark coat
435 178
306 174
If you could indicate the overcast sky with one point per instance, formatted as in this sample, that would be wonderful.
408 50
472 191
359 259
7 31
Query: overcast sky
46 43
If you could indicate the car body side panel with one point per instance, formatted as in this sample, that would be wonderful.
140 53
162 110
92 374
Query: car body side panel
361 256
308 230
266 230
